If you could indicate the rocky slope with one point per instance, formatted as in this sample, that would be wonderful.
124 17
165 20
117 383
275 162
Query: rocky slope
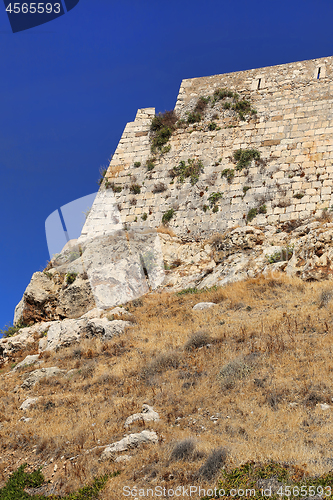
228 359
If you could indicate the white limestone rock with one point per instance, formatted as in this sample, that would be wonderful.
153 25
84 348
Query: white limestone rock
28 403
28 360
130 441
148 414
107 329
63 334
38 375
203 305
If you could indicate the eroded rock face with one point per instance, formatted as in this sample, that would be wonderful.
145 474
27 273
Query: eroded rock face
133 268
48 297
26 338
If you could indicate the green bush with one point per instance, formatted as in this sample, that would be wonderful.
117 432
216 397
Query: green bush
252 213
191 169
201 104
161 128
253 476
167 216
196 290
220 94
194 118
144 216
281 255
212 126
160 139
214 198
19 480
262 209
70 278
298 195
103 174
10 330
150 164
137 164
244 157
135 189
215 209
246 188
228 173
243 108
115 188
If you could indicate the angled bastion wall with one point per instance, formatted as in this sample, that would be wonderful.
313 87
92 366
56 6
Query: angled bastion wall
292 130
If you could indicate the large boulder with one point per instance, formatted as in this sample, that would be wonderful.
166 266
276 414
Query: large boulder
107 329
63 334
71 331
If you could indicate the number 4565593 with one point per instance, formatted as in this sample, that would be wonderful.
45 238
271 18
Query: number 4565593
34 7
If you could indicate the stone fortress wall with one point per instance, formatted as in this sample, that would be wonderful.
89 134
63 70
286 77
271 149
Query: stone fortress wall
292 130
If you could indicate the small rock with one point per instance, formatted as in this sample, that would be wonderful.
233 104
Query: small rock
25 419
28 403
123 458
72 372
324 406
147 415
203 305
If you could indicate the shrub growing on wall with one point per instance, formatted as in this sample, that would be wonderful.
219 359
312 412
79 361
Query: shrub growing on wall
243 157
191 169
161 128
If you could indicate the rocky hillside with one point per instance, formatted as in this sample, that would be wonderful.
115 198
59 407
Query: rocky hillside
229 361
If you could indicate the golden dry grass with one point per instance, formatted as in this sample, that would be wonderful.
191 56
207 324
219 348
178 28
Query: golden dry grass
266 370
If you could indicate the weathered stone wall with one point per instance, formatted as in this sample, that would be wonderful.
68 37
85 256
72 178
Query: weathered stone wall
293 130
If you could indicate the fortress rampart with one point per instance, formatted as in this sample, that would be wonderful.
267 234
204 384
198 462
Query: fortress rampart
292 130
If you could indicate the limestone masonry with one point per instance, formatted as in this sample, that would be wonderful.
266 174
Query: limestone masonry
292 130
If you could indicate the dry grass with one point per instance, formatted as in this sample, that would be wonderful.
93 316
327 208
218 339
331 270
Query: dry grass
255 390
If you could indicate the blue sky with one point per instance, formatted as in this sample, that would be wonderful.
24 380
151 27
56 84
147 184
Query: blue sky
69 87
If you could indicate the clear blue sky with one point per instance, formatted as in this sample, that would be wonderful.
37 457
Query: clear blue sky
69 87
